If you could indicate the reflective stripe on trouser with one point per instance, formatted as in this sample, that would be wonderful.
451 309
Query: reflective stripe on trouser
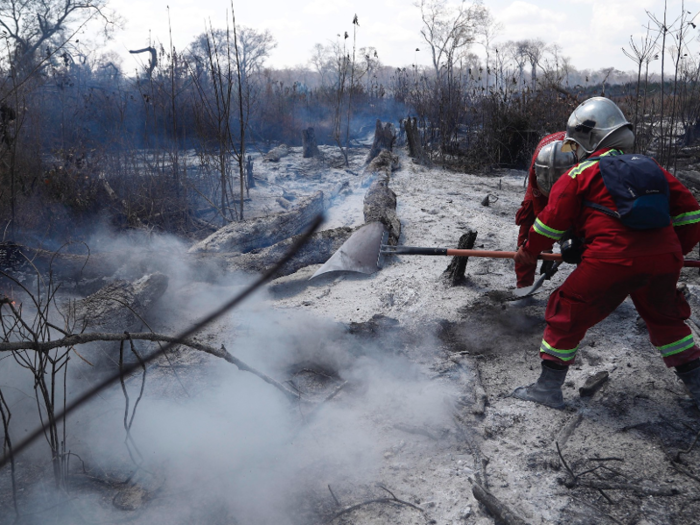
598 286
564 355
676 347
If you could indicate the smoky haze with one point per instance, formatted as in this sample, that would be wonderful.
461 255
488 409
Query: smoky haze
217 445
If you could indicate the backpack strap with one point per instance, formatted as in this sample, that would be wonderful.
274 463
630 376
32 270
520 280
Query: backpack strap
601 208
595 205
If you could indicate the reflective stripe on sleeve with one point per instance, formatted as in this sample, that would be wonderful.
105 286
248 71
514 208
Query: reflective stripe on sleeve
545 230
578 169
564 355
686 218
588 163
676 347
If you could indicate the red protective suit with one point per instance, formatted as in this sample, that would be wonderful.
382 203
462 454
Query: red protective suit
533 203
617 262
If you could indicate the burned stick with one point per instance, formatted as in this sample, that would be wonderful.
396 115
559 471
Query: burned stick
393 499
454 274
677 459
644 491
598 511
566 465
332 494
495 506
685 472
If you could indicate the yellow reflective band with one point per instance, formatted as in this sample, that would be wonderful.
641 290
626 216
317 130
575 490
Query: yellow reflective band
564 355
676 347
690 217
579 169
588 163
545 230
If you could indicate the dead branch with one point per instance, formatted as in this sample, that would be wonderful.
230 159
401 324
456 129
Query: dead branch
497 508
605 514
690 448
393 499
185 335
685 472
631 487
568 429
332 494
566 465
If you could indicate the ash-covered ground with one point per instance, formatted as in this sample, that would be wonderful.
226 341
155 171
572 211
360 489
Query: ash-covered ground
406 384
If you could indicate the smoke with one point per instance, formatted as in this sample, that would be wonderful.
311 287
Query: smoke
212 444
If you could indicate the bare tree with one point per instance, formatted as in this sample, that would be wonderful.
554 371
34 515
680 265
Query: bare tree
450 30
640 53
533 50
29 25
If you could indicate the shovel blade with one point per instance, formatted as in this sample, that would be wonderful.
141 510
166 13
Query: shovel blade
360 253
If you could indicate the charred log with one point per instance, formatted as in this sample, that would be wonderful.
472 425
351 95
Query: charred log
309 144
243 237
275 154
380 205
317 250
498 509
119 305
384 139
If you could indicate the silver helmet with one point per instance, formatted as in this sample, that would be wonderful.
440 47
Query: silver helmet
551 163
590 123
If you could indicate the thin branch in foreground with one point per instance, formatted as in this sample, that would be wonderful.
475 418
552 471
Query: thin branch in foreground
235 301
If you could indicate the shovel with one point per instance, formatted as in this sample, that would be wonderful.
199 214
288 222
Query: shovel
363 252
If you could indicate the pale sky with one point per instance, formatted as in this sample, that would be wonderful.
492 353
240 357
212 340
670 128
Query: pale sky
590 32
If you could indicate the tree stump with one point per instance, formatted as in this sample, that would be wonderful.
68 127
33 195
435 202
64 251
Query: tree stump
415 148
308 143
249 172
454 274
384 138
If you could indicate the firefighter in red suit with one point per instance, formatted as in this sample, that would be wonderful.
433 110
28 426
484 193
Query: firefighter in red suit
534 202
617 261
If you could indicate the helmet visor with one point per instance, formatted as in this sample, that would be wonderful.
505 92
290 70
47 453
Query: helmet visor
569 145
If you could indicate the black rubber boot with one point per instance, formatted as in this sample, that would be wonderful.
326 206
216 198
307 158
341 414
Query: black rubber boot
692 383
547 390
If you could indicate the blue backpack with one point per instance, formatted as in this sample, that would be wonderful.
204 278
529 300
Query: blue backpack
639 189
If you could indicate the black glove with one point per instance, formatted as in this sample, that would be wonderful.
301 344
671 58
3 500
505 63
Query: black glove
572 250
546 267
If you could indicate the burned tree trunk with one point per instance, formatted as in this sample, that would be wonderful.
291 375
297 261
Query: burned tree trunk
249 172
454 274
415 148
308 143
243 237
118 305
379 203
275 154
384 139
318 249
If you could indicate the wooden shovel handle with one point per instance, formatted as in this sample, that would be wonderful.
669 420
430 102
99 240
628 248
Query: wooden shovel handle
492 254
498 255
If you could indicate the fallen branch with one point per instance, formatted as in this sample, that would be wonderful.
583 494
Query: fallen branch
393 499
690 448
605 514
79 339
645 491
498 509
685 472
185 335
